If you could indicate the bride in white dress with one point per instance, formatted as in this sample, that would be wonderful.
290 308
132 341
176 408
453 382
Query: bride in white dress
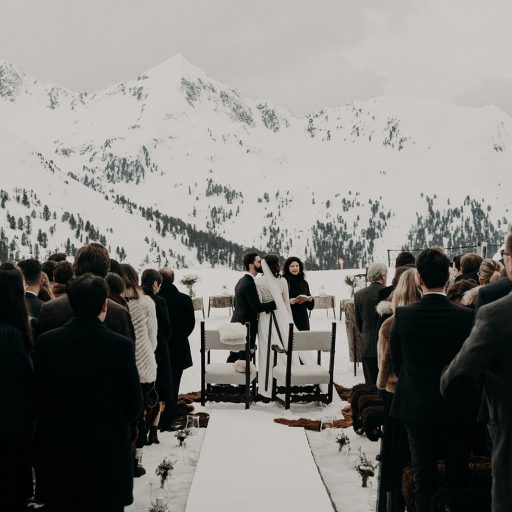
270 287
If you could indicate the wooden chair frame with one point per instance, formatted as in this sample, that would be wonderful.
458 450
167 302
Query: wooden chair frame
227 392
308 393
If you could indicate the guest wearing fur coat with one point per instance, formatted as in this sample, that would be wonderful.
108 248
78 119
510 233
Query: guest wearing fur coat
143 314
394 445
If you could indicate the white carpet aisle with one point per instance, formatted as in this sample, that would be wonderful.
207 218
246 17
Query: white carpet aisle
248 463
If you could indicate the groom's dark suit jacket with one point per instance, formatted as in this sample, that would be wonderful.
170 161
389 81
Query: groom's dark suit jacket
248 305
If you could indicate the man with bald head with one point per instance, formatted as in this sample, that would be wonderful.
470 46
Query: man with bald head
183 320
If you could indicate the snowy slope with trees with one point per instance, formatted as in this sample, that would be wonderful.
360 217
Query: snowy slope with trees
176 168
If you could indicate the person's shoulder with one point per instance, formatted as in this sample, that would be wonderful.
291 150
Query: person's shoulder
52 334
490 290
116 308
499 307
56 303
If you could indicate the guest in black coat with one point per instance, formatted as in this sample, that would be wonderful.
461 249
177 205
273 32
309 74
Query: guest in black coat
488 352
425 337
16 393
301 300
151 281
91 258
32 272
183 321
470 265
247 302
365 308
86 374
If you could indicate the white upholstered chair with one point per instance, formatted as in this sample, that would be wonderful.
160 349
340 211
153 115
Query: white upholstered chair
220 382
301 383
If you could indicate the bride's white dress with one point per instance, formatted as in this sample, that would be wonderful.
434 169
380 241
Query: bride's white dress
270 289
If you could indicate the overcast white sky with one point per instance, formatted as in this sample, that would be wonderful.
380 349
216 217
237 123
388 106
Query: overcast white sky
300 54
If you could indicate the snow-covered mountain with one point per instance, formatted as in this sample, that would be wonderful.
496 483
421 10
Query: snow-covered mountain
176 167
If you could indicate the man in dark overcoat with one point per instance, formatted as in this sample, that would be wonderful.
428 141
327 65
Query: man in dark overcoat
488 352
87 394
425 337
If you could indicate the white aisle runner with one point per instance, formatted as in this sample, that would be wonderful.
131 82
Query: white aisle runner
248 463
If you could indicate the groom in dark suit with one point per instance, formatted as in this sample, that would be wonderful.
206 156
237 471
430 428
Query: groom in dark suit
247 302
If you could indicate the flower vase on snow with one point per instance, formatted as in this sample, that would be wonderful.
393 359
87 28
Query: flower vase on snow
189 281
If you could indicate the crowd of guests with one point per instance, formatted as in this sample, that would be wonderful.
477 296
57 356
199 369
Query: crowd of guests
91 359
438 344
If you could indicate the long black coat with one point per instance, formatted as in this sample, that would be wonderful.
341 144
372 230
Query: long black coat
488 351
88 393
183 321
164 383
425 337
16 384
34 304
365 304
55 313
299 286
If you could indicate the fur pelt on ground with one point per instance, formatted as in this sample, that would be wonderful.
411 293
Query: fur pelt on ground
194 396
312 424
373 419
343 392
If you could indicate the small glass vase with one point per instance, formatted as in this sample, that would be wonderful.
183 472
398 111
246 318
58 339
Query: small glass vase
159 492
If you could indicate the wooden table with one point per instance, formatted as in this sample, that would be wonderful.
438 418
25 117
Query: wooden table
221 301
324 302
198 304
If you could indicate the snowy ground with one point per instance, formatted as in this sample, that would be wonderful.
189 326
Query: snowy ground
337 470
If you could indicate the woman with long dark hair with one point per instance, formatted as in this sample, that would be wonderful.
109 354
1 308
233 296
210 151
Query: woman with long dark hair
151 281
300 297
16 392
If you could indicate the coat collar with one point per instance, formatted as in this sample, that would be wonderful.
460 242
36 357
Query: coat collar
90 321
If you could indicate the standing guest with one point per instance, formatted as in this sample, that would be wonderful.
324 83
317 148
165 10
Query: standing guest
143 314
115 267
404 259
91 258
58 256
498 289
182 317
32 273
151 281
394 445
455 266
116 285
45 292
300 297
488 353
424 338
490 271
365 304
470 265
47 267
456 291
62 274
86 373
16 392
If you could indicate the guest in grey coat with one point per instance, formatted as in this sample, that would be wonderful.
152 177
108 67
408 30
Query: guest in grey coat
488 352
365 307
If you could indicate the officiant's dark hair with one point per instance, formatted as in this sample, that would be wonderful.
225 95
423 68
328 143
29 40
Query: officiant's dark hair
249 258
288 262
273 264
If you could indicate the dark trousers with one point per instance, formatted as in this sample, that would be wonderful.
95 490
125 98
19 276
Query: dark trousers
169 413
370 370
430 441
15 472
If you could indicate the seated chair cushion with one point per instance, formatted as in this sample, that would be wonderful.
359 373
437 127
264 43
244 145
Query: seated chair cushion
302 375
232 333
225 373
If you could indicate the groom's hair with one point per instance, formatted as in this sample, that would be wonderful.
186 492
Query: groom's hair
249 258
